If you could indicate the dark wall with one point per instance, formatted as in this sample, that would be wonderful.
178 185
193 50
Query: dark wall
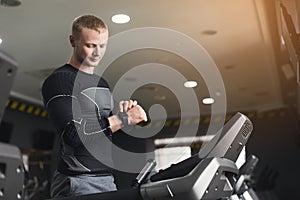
275 140
25 127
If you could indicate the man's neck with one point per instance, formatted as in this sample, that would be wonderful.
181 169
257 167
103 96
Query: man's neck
80 66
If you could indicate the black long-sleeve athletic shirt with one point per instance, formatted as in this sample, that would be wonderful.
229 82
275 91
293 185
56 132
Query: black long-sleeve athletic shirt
79 104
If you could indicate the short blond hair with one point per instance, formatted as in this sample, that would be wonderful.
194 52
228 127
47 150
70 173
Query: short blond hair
87 21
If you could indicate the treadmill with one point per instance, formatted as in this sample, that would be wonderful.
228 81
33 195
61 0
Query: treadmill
210 174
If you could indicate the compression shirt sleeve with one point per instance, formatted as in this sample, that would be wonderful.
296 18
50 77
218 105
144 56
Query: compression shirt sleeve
64 109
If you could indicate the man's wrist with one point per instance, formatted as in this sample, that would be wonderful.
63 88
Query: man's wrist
124 118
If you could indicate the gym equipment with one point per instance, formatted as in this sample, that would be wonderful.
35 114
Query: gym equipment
11 164
243 189
211 174
147 169
8 69
11 172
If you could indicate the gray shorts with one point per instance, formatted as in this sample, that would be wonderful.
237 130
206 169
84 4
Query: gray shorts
65 186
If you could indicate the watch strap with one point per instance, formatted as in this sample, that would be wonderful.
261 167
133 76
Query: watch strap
124 118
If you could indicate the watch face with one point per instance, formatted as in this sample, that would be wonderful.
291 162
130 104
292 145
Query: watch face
124 118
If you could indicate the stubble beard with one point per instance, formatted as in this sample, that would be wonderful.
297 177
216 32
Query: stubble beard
85 61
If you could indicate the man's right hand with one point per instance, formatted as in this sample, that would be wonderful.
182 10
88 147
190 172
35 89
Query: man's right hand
136 114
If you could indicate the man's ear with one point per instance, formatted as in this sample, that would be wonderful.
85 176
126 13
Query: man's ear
72 40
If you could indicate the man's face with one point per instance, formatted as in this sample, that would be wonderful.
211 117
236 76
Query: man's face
90 46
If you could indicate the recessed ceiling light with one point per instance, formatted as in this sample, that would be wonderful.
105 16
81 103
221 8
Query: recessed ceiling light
190 84
120 18
10 3
218 94
159 97
229 67
208 101
209 32
0 40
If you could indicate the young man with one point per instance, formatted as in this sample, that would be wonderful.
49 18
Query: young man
80 105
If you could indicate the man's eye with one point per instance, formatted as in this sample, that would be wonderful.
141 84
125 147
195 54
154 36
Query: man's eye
90 46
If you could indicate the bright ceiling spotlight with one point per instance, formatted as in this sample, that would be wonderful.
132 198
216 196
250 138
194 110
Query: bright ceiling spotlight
190 84
208 101
120 18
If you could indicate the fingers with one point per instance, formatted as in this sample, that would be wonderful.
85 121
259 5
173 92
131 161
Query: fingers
135 112
121 106
134 103
136 115
124 106
143 114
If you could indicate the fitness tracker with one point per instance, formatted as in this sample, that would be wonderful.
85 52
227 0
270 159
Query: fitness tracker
124 118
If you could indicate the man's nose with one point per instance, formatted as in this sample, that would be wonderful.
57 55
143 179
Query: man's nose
96 51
